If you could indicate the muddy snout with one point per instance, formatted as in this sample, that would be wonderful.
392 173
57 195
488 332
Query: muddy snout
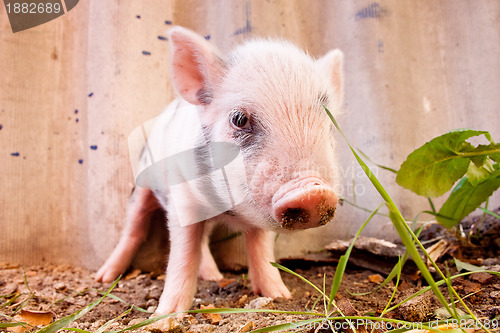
303 204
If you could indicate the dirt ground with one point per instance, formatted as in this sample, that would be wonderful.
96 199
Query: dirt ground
63 290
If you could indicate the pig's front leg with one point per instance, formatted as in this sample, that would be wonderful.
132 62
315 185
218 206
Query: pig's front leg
208 268
266 279
182 270
140 206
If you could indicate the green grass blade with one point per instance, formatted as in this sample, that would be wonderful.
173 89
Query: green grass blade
239 310
61 323
439 283
355 205
342 264
490 212
432 205
14 324
393 272
109 322
377 165
398 221
113 296
399 267
324 298
79 330
143 323
288 326
284 269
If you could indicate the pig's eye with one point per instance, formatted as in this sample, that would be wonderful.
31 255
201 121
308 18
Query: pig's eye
239 119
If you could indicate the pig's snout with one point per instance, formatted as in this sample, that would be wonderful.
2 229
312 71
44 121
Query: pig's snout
307 203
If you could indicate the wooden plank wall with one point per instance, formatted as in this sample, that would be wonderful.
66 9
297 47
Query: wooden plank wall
73 89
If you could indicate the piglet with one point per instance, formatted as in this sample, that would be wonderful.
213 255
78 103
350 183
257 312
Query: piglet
264 101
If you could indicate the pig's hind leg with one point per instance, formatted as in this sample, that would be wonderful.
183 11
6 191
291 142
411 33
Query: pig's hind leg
266 279
141 205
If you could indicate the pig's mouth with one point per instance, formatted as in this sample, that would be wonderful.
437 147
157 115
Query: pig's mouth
302 204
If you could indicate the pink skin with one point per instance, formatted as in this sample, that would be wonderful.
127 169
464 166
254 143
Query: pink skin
289 174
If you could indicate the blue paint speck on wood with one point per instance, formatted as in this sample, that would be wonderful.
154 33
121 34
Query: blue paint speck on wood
91 94
15 154
168 22
248 26
146 52
93 147
373 10
162 38
80 161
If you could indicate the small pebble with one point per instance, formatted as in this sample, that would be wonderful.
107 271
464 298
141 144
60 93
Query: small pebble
246 328
261 303
482 277
242 299
376 278
214 318
60 286
8 289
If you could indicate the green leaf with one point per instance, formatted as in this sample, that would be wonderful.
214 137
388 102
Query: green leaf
432 169
477 174
466 197
479 154
466 266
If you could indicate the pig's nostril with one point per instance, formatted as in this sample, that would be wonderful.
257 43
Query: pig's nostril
293 216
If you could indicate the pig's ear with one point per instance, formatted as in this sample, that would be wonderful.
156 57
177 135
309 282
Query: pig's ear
332 64
196 66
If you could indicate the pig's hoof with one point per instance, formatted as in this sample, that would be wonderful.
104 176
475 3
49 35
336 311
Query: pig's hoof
210 276
107 274
275 291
